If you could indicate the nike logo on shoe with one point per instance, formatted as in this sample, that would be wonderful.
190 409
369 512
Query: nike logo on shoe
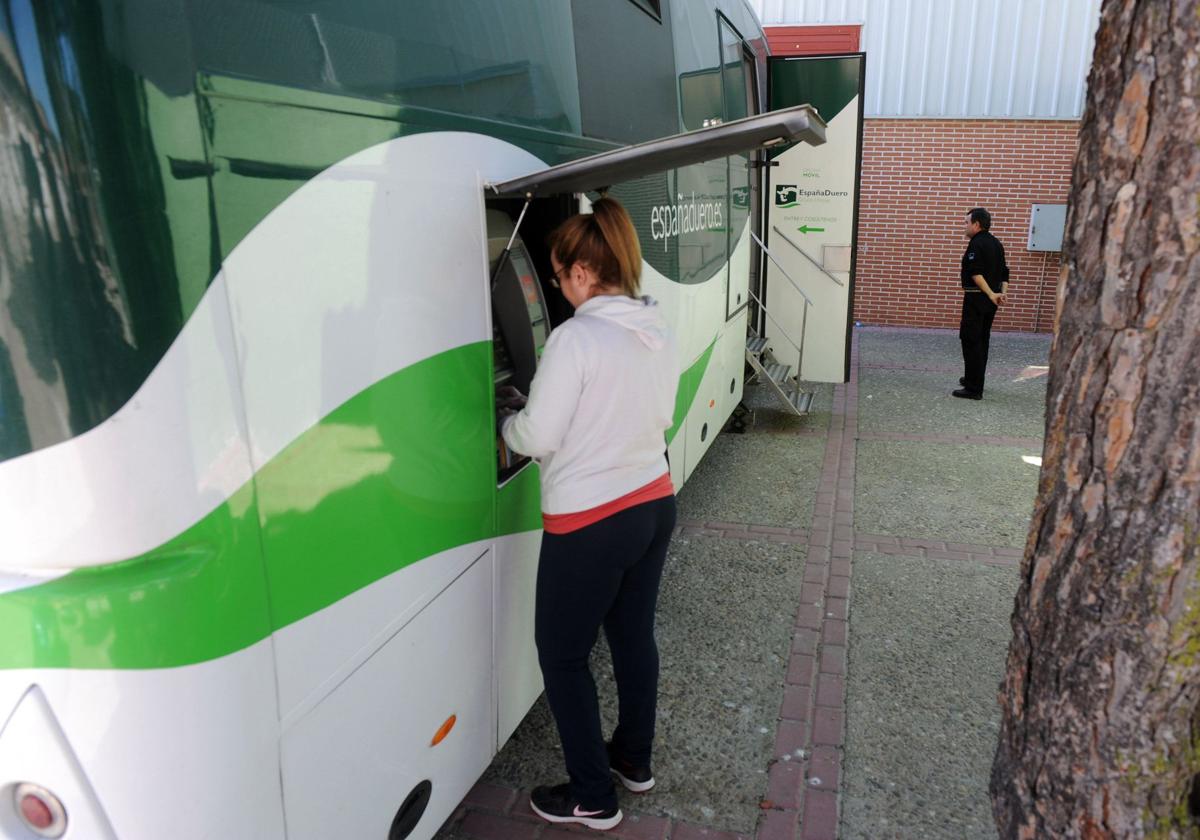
581 813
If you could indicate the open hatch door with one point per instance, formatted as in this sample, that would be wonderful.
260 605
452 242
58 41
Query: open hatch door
812 217
598 172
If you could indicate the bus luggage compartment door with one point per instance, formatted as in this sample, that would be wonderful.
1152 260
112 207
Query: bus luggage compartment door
350 763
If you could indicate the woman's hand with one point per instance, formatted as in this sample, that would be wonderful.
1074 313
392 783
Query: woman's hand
509 399
508 402
502 415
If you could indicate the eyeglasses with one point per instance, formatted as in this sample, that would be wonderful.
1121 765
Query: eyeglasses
554 277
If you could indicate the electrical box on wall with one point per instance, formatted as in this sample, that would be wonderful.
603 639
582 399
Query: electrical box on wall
1046 225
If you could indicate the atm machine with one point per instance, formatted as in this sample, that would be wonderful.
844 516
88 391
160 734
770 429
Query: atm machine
520 321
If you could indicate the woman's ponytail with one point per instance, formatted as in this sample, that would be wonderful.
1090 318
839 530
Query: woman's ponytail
605 241
619 235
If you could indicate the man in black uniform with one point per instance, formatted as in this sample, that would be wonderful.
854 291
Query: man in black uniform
985 288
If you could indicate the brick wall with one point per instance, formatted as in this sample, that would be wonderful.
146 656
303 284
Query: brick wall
919 177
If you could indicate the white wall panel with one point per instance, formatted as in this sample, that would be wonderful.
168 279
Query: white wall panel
1017 59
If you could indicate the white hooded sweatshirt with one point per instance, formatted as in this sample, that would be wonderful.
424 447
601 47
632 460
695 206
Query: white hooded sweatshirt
600 404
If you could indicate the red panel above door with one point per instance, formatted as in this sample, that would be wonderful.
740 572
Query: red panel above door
813 40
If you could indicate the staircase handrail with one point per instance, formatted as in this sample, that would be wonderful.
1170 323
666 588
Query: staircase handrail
803 313
779 265
806 256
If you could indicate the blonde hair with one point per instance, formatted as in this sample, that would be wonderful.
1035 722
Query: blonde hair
604 241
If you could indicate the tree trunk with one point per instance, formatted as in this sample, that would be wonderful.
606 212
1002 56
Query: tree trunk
1100 734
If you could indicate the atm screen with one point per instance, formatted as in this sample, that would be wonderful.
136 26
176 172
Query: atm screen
538 323
522 323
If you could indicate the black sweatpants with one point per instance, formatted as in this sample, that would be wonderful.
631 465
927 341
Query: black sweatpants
605 574
975 332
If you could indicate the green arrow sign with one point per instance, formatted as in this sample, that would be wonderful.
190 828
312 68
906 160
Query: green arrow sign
807 229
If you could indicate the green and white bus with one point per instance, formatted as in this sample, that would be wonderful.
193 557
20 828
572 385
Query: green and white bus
265 570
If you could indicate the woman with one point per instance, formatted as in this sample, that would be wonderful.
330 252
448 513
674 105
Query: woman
598 408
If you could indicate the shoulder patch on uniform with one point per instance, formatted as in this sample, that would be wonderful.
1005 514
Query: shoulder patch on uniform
970 255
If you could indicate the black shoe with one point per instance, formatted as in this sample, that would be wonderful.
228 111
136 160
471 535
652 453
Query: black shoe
964 394
962 380
557 805
635 779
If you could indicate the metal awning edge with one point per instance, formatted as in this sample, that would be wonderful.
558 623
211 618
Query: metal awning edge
799 123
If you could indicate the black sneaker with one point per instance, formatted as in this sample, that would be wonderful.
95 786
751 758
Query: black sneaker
964 394
635 779
962 380
557 805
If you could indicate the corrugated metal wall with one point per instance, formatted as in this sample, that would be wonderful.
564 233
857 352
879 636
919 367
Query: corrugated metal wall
1016 59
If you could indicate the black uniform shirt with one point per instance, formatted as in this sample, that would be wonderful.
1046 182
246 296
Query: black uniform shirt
984 255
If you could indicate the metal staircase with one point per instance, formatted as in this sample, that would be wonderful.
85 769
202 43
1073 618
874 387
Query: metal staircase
778 375
762 359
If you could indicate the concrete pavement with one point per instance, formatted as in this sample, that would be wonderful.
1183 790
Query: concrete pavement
834 614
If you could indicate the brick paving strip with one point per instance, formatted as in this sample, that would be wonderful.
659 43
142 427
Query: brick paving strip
804 780
495 812
994 371
942 331
741 531
789 432
993 555
987 440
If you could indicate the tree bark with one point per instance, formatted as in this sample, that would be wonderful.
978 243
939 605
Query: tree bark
1100 733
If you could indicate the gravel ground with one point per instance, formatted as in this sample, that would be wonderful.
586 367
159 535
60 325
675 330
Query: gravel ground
919 402
963 493
771 416
928 639
942 348
758 478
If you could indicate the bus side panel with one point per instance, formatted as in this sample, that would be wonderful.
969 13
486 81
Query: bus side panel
739 266
733 362
518 676
705 419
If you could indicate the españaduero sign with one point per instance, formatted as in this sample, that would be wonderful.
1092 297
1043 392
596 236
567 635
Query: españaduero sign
687 215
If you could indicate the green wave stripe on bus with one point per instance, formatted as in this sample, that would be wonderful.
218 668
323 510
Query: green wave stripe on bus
199 596
519 503
689 385
401 471
404 470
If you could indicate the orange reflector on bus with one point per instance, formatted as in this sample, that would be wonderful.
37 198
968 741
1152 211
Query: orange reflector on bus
444 730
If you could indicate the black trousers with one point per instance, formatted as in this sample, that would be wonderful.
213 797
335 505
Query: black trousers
606 574
975 332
